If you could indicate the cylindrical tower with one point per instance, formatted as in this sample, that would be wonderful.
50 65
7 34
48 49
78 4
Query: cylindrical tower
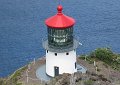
60 45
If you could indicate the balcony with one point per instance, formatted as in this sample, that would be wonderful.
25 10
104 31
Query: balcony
60 49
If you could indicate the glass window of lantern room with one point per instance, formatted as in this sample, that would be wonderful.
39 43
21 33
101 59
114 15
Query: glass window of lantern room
49 34
60 36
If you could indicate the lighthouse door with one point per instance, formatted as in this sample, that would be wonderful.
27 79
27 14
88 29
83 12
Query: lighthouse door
56 70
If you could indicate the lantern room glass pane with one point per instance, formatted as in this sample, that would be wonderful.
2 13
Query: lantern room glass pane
60 37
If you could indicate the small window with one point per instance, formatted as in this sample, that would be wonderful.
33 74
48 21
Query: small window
55 54
47 51
75 65
67 53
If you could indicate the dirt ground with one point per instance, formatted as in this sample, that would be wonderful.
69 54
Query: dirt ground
29 76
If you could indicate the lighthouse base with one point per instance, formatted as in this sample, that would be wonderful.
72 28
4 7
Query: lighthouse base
41 74
59 63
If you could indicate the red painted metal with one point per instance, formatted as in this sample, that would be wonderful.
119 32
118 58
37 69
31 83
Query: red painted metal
59 21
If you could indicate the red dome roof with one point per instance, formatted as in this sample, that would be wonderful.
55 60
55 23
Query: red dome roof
60 20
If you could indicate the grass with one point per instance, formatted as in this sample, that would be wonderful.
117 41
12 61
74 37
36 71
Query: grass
13 79
103 54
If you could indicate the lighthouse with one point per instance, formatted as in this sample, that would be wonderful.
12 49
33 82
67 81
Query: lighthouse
60 44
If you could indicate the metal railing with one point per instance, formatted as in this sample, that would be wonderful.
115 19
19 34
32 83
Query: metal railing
58 48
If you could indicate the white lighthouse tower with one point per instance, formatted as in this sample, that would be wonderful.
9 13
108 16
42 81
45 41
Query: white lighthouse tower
60 44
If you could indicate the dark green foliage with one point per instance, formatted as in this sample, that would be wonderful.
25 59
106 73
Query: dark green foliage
107 56
82 57
104 54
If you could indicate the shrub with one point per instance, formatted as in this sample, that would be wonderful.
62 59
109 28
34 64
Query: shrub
104 54
82 57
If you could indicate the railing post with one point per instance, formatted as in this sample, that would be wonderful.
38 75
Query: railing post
27 75
94 63
28 66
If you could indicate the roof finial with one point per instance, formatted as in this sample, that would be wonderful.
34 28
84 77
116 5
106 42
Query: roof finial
59 8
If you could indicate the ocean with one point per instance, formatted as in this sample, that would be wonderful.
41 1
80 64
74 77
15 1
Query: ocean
22 28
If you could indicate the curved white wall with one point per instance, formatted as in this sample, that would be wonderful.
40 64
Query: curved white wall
66 63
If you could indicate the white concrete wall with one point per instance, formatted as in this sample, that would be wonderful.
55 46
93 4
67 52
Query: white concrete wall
66 63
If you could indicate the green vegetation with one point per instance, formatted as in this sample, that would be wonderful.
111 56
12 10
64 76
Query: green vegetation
106 55
2 81
17 73
13 79
89 59
103 54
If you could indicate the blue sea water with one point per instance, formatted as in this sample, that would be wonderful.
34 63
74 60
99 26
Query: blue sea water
22 28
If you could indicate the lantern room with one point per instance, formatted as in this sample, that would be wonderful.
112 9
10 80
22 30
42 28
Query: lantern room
60 29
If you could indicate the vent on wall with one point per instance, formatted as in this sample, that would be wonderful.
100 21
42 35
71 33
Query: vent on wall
67 53
55 54
75 65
